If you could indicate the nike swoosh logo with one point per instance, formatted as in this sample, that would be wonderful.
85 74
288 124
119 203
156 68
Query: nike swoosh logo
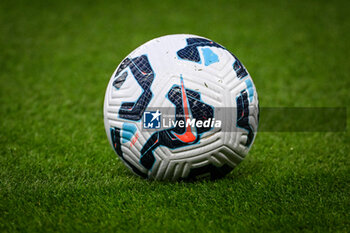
187 136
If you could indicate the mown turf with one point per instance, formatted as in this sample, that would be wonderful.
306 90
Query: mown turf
58 173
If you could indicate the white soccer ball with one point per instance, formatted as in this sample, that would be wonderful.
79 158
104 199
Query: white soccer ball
181 107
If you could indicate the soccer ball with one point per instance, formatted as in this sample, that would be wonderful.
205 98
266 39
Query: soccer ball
181 107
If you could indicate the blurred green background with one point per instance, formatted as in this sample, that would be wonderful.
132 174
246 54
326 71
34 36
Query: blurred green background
58 173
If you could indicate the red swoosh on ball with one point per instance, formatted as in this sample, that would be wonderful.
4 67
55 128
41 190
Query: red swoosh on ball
187 136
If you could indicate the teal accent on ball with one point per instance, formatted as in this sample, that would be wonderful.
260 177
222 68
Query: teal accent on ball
250 89
128 131
209 56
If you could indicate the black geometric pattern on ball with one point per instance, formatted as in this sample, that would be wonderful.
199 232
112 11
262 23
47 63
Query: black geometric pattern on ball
241 72
243 115
191 53
118 82
144 75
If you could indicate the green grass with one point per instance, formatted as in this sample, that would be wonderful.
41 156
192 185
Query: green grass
58 172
